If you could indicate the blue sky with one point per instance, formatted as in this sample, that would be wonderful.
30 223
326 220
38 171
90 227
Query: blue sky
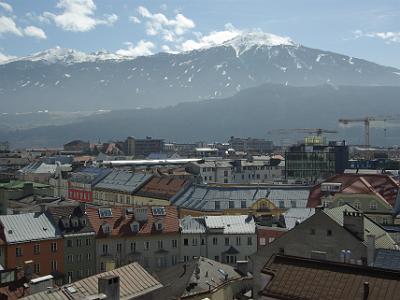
368 29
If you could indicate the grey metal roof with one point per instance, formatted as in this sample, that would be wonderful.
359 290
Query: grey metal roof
387 259
382 238
28 227
292 215
134 282
232 224
203 197
191 225
123 181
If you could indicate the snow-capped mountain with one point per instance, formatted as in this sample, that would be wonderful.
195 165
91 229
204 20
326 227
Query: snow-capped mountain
65 79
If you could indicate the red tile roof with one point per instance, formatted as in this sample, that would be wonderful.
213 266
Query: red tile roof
302 278
120 222
164 187
380 185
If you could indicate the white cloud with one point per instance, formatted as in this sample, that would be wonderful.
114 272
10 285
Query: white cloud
169 29
7 25
213 38
78 16
142 48
7 7
4 57
135 20
35 32
388 36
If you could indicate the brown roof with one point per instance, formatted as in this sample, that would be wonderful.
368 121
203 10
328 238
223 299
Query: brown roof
120 221
303 278
380 185
164 187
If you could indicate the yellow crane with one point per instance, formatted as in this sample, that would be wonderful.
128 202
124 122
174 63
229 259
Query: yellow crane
367 124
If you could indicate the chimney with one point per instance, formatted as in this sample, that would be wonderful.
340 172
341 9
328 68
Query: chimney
353 221
319 208
370 249
28 269
109 285
366 290
242 267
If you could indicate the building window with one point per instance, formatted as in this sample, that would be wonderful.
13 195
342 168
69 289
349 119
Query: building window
146 245
243 204
105 249
36 249
186 242
174 244
88 256
293 203
53 247
262 241
79 257
215 241
102 267
231 204
194 242
238 242
249 241
373 205
18 251
385 220
216 258
53 265
217 205
36 268
160 244
70 258
226 241
173 260
88 242
70 276
79 242
329 232
357 205
69 243
312 231
133 247
281 204
119 247
203 241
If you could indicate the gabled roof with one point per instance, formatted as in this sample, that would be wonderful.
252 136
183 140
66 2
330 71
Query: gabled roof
382 186
135 281
238 224
196 277
164 187
203 197
123 181
191 225
303 278
382 238
28 227
120 221
90 175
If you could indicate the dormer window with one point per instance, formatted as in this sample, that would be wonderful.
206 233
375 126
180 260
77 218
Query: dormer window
159 226
135 227
65 222
106 228
83 221
75 222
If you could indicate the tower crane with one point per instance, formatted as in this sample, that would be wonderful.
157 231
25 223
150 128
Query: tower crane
317 131
367 124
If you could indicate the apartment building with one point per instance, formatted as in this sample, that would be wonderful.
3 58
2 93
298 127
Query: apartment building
78 239
148 235
251 145
143 147
226 239
32 237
